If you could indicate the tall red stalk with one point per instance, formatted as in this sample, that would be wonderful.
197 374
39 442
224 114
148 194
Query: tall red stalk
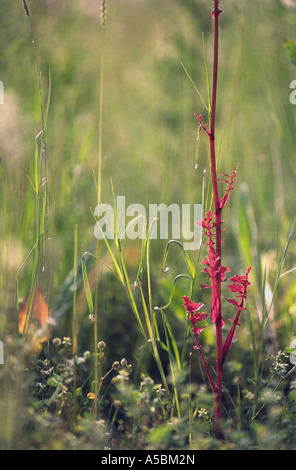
212 225
216 280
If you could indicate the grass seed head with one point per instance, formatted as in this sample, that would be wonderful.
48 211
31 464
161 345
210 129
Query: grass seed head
103 12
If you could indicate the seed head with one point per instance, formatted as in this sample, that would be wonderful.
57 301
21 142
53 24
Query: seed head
103 12
57 341
26 8
101 345
86 354
91 318
123 362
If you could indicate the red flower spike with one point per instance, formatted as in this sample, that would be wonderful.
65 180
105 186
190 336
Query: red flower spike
240 285
212 267
198 117
191 306
201 124
195 317
196 332
229 182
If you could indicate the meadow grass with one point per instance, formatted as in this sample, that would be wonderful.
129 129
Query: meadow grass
118 102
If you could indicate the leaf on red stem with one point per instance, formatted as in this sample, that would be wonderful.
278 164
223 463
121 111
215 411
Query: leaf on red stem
219 12
240 285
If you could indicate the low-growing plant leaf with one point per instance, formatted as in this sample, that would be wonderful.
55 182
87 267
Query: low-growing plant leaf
78 392
52 382
291 50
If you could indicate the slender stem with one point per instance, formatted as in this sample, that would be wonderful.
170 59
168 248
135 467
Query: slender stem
216 283
97 383
74 321
213 106
75 324
212 385
101 117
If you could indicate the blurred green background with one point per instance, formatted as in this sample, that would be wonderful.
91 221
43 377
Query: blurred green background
149 129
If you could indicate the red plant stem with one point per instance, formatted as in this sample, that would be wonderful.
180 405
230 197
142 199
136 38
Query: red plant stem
216 282
212 385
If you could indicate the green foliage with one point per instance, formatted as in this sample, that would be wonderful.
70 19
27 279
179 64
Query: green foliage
291 50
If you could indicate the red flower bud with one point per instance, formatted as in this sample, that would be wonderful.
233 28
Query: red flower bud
219 12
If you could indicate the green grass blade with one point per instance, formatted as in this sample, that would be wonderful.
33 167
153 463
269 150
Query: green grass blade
281 265
87 286
188 261
152 341
207 76
75 264
115 263
171 341
173 287
130 295
47 102
196 89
